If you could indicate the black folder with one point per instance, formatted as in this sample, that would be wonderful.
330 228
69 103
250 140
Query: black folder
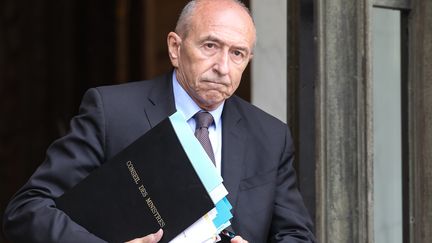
147 186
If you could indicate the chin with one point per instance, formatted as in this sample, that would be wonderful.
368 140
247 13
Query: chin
210 103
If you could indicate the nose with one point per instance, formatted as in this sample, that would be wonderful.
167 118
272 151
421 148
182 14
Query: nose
221 65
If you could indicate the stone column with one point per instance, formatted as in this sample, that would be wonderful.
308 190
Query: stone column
420 121
344 122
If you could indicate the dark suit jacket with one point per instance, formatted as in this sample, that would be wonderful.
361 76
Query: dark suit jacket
257 157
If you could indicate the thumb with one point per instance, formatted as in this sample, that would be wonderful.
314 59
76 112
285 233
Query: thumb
158 235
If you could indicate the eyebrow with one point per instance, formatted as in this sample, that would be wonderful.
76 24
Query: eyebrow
217 40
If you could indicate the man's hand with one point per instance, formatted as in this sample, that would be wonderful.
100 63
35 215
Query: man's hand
238 239
151 238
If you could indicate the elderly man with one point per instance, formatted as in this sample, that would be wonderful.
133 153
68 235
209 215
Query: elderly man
210 48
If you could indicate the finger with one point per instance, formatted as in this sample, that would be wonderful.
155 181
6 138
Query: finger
151 238
158 235
238 239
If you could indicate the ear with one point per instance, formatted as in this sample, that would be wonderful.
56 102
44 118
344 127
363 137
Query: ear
174 43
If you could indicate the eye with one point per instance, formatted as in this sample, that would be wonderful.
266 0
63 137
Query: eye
237 53
238 56
210 45
209 48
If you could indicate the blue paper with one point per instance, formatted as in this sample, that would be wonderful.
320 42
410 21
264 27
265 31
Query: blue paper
223 208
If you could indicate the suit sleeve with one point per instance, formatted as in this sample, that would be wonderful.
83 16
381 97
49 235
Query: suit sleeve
31 215
291 221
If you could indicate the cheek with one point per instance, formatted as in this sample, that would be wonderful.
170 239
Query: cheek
228 90
235 81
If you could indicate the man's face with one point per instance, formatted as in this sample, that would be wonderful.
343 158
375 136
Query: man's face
210 60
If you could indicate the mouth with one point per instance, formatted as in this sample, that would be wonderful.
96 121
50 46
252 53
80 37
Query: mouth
212 85
214 82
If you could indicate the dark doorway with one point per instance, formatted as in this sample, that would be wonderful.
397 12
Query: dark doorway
51 52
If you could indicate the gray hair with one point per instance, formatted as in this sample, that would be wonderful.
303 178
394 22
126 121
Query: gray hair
183 23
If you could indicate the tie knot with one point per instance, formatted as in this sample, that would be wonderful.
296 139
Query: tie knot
203 119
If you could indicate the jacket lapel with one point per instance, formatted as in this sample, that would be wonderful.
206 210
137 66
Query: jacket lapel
160 103
233 148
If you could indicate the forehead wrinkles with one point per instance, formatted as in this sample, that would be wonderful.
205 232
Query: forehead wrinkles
226 25
228 38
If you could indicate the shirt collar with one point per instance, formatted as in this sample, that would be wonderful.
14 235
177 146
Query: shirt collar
187 105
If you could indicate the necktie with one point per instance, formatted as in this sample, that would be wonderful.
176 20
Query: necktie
203 121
